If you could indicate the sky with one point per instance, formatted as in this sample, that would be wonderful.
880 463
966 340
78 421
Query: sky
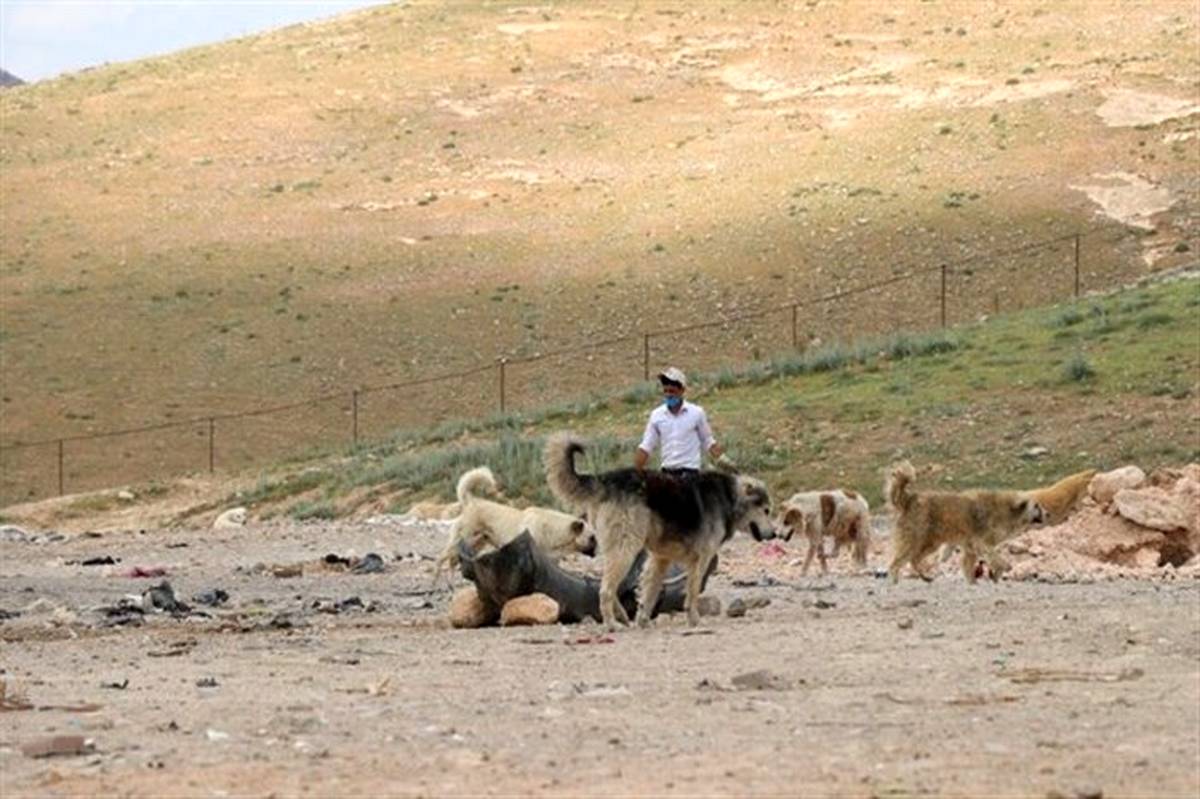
43 38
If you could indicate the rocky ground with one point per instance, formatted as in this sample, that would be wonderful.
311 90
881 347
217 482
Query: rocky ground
314 679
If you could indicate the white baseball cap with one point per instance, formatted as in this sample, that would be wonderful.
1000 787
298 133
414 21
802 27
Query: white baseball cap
672 375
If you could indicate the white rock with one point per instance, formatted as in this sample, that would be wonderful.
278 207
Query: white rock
1153 508
1105 485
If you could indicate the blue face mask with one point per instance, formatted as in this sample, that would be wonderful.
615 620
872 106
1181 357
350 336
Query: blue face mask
673 402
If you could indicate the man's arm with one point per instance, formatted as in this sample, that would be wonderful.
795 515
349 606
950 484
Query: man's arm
648 445
640 456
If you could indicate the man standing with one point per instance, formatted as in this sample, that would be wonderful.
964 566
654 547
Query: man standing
681 429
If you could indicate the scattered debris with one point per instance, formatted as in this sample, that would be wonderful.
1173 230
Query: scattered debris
1036 675
146 571
369 564
58 745
116 686
761 680
161 597
214 597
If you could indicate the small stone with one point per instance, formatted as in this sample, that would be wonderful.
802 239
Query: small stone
531 609
905 624
467 610
736 609
709 606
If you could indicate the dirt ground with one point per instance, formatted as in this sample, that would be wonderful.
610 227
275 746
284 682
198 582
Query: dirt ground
842 685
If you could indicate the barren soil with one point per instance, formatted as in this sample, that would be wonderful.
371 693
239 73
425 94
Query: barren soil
940 689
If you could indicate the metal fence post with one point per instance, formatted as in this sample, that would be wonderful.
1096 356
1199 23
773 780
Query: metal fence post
646 356
502 361
1076 266
212 432
354 417
795 329
60 467
943 295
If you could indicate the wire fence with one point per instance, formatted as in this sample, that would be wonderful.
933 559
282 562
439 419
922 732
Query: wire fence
910 300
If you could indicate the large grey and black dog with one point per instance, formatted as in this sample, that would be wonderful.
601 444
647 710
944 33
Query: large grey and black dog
674 518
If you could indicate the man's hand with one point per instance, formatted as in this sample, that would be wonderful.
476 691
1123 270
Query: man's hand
726 464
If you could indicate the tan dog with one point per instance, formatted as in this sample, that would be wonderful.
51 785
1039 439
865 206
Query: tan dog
975 521
1057 500
431 511
484 521
1063 497
841 515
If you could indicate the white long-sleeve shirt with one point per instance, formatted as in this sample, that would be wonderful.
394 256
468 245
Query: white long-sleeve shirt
684 436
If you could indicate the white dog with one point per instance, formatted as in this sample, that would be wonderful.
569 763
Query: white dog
484 521
841 515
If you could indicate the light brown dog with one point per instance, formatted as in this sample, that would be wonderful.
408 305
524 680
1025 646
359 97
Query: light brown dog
429 510
1063 497
484 521
1058 500
841 515
975 521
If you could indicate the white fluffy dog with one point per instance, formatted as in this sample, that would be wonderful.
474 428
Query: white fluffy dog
485 521
841 515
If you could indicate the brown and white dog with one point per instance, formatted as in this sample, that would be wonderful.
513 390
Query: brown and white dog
484 521
841 515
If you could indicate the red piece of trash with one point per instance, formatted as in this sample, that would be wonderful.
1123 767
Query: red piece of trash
146 571
772 549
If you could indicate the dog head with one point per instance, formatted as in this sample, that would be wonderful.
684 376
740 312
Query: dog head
584 541
754 509
790 522
1029 510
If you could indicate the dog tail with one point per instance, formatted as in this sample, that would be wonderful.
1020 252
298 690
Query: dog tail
471 482
898 488
571 488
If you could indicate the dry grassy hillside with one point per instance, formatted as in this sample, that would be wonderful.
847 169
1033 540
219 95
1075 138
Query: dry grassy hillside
420 188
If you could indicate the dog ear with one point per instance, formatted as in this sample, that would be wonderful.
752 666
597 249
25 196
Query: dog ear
793 517
577 526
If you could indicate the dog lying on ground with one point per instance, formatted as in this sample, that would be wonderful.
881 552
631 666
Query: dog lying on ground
484 521
841 515
674 518
975 521
431 511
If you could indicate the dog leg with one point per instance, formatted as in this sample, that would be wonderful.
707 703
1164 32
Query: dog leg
901 553
650 588
697 568
820 544
617 560
808 558
969 562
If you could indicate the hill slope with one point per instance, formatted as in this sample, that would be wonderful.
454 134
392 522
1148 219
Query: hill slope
1016 401
420 188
